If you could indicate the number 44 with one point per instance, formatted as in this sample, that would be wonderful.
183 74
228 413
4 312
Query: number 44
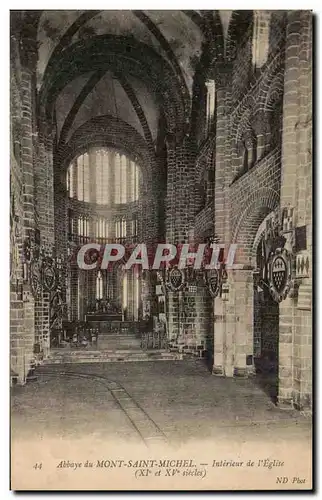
38 465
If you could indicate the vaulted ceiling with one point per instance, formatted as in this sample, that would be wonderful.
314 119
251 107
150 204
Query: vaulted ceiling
133 65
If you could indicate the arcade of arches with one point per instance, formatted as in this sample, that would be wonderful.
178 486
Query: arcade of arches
176 126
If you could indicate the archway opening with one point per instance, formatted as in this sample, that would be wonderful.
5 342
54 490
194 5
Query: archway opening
265 327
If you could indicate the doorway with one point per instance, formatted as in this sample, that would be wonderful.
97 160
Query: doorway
266 330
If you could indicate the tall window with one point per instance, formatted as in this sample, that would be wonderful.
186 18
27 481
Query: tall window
103 192
120 228
99 286
211 103
134 182
83 178
117 178
124 292
103 176
83 226
134 227
121 178
123 227
102 228
71 179
261 30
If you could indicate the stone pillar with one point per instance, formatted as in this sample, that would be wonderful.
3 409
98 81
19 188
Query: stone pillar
219 336
28 65
303 315
288 198
180 203
233 351
202 317
174 315
244 311
294 329
46 210
221 130
224 174
180 213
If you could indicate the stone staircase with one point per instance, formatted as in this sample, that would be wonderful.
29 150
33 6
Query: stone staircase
118 341
63 356
110 348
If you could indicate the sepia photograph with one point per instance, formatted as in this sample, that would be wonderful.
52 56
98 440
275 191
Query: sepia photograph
161 250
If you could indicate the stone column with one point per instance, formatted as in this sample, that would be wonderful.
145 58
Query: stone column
223 325
303 315
244 311
180 212
294 330
28 66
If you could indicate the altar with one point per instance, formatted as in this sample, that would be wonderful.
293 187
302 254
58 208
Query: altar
104 315
104 322
98 316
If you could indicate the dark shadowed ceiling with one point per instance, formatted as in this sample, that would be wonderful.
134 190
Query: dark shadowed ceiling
175 36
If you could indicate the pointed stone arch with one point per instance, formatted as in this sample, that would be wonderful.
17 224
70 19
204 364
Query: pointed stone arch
258 206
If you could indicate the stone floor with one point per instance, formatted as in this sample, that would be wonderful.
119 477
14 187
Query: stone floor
173 400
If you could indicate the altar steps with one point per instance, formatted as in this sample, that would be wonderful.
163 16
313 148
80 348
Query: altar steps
118 341
62 356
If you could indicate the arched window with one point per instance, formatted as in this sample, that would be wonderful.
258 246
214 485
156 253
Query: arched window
261 27
103 176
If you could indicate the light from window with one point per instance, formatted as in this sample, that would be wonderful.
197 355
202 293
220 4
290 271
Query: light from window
68 180
261 29
136 298
102 177
117 229
83 226
134 182
117 178
71 179
134 227
99 286
124 301
101 228
123 228
211 103
120 228
83 178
